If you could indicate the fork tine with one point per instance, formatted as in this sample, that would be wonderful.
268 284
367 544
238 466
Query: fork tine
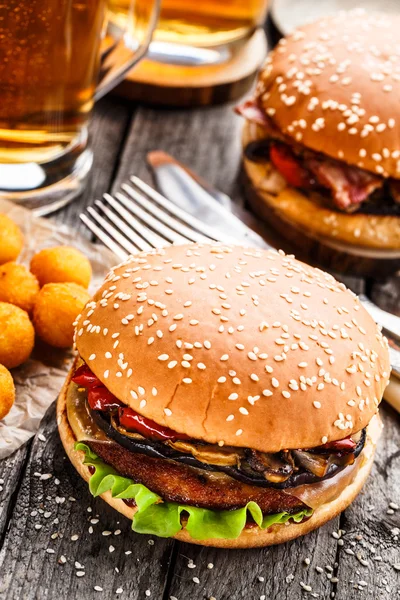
107 241
152 238
183 215
162 215
164 230
122 226
112 232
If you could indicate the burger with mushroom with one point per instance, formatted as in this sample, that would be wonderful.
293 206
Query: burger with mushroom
321 141
224 396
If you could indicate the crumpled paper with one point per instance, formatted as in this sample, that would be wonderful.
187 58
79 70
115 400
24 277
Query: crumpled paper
39 380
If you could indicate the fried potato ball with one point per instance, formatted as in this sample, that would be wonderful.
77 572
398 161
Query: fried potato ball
60 265
18 286
56 308
7 392
11 240
17 335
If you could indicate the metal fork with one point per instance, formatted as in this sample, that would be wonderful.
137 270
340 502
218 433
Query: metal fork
140 218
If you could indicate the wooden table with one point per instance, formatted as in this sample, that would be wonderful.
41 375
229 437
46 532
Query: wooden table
57 542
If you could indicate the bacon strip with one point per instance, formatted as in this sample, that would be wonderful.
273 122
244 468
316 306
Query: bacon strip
252 112
349 185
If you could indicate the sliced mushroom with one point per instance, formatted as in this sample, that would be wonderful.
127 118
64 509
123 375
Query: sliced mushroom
273 467
315 463
208 453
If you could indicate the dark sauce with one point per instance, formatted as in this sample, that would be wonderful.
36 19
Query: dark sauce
257 151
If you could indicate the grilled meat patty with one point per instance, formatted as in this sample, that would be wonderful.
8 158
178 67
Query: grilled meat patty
177 482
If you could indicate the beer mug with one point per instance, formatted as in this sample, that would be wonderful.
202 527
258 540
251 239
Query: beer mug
53 66
198 32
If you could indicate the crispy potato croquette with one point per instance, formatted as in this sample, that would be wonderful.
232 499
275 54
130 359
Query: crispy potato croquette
11 240
56 308
7 392
60 265
17 335
18 286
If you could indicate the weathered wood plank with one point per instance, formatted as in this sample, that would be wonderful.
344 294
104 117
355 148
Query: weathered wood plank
269 573
207 140
45 520
110 120
371 533
386 294
11 470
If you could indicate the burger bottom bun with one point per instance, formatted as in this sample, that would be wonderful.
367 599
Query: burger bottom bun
249 538
331 238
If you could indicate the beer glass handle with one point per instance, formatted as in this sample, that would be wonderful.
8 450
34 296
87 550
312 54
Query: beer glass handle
126 51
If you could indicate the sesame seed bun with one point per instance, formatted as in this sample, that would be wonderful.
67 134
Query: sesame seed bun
285 207
249 538
235 346
333 86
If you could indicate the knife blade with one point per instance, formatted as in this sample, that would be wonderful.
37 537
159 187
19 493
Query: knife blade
191 193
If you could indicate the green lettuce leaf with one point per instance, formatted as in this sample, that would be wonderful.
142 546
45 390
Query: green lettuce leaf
163 519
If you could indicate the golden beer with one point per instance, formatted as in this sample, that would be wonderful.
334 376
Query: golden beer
49 59
52 69
204 23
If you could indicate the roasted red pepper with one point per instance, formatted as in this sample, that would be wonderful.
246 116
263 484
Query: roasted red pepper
85 378
100 398
288 165
132 421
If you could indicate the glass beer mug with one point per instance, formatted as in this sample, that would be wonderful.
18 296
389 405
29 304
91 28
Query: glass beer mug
198 32
52 69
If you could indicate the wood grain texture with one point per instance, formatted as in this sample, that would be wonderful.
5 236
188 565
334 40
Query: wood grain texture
207 140
372 534
11 471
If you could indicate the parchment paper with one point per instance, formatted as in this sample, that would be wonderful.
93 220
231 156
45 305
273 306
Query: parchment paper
40 379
